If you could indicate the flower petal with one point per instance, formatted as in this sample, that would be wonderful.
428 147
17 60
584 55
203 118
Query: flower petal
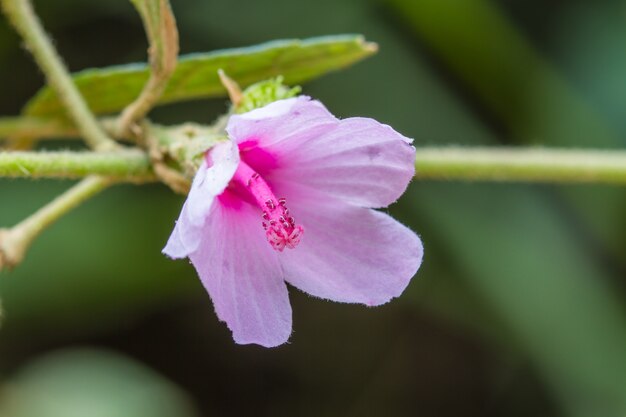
209 182
292 120
351 254
242 275
358 160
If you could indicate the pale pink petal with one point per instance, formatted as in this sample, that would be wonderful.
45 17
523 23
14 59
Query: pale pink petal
177 247
242 274
294 119
274 109
208 183
351 254
361 161
358 160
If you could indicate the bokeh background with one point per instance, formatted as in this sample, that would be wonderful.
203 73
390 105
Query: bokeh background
518 310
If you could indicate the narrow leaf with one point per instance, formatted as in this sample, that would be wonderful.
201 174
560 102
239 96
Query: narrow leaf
109 90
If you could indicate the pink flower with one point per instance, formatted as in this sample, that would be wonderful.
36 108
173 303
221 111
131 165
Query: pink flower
289 199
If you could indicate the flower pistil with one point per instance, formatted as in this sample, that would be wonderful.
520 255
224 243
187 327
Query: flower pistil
280 226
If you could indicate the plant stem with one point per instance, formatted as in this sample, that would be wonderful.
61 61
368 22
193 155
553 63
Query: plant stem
454 163
43 128
15 242
522 165
22 16
34 127
162 34
133 166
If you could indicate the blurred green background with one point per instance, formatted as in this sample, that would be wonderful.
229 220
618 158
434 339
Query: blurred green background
518 310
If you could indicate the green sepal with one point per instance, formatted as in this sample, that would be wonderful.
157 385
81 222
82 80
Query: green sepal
264 93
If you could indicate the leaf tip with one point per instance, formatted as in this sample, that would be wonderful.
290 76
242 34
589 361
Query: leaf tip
367 46
371 47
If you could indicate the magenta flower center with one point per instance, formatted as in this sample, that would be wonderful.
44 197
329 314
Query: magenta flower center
280 227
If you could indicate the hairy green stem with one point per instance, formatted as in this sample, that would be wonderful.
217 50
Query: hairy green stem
15 242
522 165
22 16
451 163
133 166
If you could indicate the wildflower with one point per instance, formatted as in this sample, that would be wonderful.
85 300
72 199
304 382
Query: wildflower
290 198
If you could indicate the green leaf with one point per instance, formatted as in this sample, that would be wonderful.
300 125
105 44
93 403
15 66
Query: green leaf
109 90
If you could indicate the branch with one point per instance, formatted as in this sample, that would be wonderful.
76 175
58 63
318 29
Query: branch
23 18
129 166
162 33
15 242
35 127
452 163
44 128
522 165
